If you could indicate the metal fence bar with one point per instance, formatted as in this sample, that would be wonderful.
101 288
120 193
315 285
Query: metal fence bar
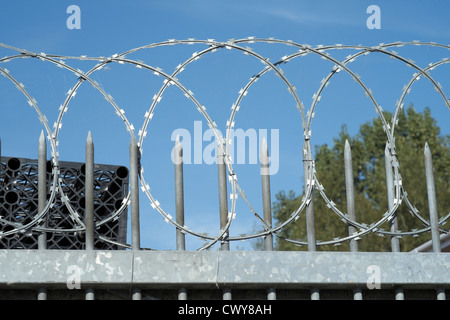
134 204
89 193
432 204
134 191
42 199
350 194
432 199
179 203
89 203
265 185
308 175
310 226
223 194
267 204
203 269
179 193
223 206
395 242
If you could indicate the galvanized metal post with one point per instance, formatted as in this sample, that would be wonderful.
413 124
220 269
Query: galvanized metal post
89 202
308 171
179 203
265 184
432 205
350 193
179 192
42 199
223 193
395 243
267 204
134 195
223 204
308 175
42 186
89 193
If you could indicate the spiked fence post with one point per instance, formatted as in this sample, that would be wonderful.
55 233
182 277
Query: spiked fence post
89 202
350 194
179 202
265 183
179 192
432 205
42 199
89 193
267 205
223 204
308 171
395 242
134 191
223 193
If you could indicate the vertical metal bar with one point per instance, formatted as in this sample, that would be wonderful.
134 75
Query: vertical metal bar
42 199
134 192
223 193
42 186
265 184
310 225
227 294
179 203
441 294
89 202
179 192
90 294
134 195
308 175
267 205
432 205
395 243
89 193
350 194
223 204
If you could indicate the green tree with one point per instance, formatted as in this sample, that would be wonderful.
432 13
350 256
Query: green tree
411 133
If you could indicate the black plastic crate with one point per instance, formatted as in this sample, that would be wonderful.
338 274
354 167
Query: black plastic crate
19 205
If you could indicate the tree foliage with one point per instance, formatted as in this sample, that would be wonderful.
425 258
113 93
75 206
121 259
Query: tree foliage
411 133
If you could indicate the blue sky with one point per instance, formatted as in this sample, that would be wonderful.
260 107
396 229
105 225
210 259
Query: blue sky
110 27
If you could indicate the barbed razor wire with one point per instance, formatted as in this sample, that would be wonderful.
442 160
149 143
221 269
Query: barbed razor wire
224 143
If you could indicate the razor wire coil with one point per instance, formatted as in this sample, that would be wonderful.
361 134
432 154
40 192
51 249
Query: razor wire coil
312 181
